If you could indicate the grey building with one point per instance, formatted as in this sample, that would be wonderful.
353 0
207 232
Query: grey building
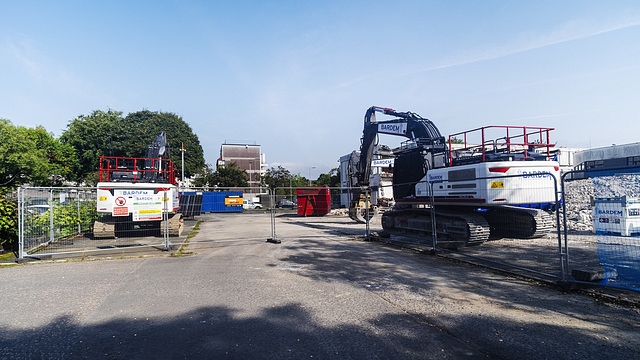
621 157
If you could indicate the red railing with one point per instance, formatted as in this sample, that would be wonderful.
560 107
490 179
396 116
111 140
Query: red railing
515 140
136 169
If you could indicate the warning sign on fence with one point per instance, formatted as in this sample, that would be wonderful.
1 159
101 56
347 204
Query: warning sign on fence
120 211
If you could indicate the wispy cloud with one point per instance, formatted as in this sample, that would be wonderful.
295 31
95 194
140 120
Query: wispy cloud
570 31
43 71
23 53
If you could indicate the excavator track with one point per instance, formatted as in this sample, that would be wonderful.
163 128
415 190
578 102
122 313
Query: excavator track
519 223
453 229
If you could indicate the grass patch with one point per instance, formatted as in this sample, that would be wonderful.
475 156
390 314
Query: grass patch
195 230
6 256
182 250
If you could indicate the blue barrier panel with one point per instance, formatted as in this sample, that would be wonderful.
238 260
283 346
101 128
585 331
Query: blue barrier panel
219 201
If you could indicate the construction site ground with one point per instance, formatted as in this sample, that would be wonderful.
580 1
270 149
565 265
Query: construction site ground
323 292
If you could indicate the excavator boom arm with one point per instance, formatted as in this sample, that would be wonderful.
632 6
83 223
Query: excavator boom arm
407 124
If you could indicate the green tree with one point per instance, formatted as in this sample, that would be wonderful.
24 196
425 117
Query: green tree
204 177
98 134
225 176
8 220
62 157
32 156
109 134
147 125
299 181
230 176
28 156
332 179
277 177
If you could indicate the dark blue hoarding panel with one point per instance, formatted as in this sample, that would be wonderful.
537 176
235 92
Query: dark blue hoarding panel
220 201
190 204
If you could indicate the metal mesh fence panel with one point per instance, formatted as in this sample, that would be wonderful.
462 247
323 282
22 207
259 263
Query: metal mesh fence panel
602 229
71 220
214 206
318 212
508 222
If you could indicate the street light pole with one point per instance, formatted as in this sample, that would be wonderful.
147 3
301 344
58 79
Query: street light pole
182 150
313 167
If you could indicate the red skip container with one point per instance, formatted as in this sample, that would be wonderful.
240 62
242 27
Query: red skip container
314 201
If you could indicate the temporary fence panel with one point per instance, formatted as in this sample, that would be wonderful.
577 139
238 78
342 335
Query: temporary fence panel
223 218
218 201
471 222
309 212
66 220
313 201
602 228
541 254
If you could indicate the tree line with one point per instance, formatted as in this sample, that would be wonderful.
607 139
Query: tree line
35 157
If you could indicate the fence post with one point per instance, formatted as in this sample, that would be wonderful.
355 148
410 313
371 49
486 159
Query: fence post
51 231
79 216
274 238
562 250
165 220
565 253
434 233
366 214
20 223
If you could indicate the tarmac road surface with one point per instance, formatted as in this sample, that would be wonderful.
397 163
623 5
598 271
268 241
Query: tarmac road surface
315 295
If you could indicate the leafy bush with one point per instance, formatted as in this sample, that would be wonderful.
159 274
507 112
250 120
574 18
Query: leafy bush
66 217
8 219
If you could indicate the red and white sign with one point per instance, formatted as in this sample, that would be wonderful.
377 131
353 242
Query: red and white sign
121 201
120 211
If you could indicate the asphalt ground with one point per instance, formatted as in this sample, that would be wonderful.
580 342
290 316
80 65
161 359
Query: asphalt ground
320 293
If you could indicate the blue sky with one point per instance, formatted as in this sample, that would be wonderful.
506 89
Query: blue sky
296 77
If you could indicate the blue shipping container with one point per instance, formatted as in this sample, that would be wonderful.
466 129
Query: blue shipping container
220 201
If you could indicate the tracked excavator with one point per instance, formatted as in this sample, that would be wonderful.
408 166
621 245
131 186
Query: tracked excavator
466 193
135 196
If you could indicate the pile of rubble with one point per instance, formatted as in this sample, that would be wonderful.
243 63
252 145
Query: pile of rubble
340 212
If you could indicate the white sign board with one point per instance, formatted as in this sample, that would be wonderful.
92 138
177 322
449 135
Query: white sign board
382 162
147 207
393 129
